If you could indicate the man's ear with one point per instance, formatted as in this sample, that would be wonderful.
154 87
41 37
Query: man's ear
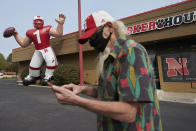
109 24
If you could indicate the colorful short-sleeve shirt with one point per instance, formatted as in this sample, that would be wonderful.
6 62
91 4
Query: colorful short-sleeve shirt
128 77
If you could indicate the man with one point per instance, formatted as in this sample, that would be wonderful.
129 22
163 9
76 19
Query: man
40 36
126 94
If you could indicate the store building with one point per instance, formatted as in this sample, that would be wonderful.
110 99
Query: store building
168 34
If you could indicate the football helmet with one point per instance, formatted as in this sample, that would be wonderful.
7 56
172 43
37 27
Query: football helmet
38 22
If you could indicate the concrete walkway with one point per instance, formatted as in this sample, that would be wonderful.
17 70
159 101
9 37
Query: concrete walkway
189 98
7 76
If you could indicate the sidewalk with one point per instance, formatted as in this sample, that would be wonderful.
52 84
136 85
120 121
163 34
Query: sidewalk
189 98
20 83
7 76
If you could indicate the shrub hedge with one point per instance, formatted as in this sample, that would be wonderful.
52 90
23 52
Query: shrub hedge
63 74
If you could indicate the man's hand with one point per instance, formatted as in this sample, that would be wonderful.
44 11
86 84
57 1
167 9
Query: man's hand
61 19
75 88
121 111
64 96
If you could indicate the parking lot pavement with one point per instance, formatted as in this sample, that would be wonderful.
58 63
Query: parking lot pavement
36 109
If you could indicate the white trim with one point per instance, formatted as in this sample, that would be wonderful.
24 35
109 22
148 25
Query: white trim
101 17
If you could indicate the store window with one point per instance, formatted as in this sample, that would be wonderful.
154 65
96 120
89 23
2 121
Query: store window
178 59
152 51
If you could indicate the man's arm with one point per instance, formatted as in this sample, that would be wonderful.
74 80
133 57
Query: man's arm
90 90
121 111
23 42
84 89
58 32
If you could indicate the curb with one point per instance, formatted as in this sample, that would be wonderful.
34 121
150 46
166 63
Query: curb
20 83
188 98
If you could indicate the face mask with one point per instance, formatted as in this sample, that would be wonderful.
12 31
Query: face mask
98 41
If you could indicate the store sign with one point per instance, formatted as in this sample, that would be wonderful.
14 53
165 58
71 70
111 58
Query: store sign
162 23
179 67
176 66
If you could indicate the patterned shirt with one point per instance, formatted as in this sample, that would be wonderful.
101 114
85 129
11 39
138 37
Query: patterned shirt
128 77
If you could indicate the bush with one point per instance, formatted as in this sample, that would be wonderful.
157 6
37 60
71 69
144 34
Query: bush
13 67
25 72
65 74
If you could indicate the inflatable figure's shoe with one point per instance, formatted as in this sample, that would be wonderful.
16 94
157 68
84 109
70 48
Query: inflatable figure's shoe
46 79
30 80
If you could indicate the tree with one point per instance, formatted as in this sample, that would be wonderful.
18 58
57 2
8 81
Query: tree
12 66
9 58
3 62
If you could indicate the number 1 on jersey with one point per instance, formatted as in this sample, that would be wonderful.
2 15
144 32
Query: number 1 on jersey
38 36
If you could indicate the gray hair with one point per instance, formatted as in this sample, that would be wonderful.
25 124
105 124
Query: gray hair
120 29
101 58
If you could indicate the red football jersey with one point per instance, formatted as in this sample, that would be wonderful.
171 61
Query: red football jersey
40 37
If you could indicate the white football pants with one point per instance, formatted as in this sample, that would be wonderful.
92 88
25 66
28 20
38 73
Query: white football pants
46 54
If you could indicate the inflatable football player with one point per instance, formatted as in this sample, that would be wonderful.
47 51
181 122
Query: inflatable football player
40 36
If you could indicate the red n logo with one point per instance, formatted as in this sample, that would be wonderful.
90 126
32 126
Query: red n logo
174 66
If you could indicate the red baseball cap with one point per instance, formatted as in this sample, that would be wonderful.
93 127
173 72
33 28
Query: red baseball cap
92 23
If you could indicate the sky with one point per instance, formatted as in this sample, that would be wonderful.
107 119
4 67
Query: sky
20 13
